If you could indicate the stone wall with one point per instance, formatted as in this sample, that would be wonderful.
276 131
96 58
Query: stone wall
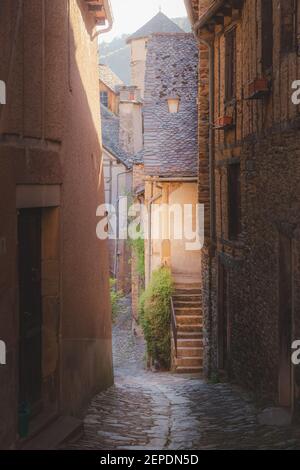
50 135
138 63
264 141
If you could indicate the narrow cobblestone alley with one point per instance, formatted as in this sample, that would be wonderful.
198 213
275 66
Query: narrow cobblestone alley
163 411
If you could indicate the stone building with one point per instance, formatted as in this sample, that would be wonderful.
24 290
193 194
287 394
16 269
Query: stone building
55 313
249 177
109 83
164 63
122 135
160 23
170 167
170 144
117 169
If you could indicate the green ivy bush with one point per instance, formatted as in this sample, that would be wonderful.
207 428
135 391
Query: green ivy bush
155 316
138 246
115 296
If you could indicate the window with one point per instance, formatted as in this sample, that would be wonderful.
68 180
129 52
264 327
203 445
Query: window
288 25
104 98
230 65
267 35
234 201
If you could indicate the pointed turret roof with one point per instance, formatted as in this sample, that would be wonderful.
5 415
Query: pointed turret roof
160 23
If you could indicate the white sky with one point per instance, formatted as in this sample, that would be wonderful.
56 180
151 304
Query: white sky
130 15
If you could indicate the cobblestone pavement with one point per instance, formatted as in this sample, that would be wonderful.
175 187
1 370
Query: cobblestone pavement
162 411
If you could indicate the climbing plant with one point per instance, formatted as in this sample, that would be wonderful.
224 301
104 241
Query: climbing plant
154 316
138 247
115 296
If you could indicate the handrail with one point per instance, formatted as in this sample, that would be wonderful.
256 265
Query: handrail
174 325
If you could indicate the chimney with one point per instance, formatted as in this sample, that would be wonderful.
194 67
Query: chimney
131 120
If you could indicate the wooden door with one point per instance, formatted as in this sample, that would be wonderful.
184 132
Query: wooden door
30 307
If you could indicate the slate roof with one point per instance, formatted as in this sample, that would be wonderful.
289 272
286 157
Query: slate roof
109 78
110 136
171 143
160 23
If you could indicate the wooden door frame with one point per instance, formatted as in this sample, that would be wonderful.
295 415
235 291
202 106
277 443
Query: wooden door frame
37 404
38 196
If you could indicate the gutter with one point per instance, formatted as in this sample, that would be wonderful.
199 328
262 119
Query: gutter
208 15
110 20
190 11
210 46
211 142
113 155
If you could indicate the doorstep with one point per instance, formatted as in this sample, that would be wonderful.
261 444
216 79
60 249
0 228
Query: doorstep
55 434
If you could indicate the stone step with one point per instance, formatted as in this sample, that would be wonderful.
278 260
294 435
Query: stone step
196 361
188 320
186 303
189 343
188 310
65 428
190 328
187 285
187 298
189 352
189 335
189 370
187 291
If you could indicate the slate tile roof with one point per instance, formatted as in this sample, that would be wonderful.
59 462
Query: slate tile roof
171 147
160 23
109 78
110 124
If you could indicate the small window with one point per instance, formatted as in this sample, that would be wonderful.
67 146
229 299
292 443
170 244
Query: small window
288 25
234 201
104 98
230 65
267 35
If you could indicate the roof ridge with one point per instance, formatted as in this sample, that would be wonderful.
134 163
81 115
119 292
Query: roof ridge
158 23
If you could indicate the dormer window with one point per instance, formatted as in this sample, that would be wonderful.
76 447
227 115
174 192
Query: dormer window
267 35
230 65
104 98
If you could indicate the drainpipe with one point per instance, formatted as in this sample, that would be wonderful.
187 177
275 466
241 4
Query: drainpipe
211 149
210 48
118 221
150 202
110 20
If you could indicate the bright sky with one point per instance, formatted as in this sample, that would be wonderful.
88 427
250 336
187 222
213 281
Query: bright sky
130 15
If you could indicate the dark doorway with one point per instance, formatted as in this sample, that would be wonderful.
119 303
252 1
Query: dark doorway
285 320
223 319
30 309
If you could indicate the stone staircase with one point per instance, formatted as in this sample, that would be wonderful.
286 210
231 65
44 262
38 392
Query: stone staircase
187 304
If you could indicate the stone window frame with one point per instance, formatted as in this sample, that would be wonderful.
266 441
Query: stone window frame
230 64
234 200
104 98
267 36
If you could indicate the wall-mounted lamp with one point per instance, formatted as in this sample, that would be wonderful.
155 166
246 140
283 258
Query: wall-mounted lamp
173 104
